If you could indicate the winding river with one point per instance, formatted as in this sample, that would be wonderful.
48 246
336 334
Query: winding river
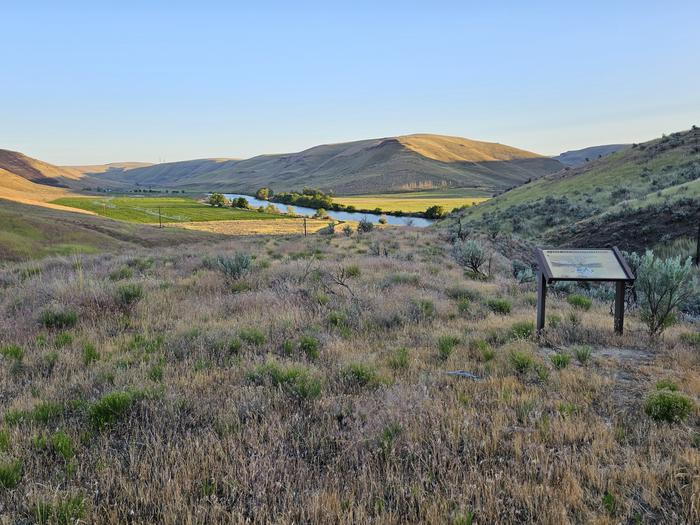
418 222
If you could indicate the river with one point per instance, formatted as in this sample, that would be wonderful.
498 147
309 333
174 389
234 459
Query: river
418 222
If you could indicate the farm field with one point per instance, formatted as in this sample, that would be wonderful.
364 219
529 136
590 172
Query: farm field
414 201
285 226
307 380
172 209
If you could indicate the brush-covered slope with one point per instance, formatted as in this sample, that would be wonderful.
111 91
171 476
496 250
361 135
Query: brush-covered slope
368 166
576 158
28 232
635 197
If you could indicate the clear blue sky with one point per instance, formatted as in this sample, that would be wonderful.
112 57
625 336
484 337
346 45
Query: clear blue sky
88 83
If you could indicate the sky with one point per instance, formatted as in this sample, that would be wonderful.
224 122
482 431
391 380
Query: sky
96 82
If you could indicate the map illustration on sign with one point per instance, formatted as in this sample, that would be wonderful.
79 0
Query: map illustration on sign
584 264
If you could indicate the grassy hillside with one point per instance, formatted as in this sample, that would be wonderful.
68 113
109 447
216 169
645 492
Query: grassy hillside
152 387
391 164
33 232
642 179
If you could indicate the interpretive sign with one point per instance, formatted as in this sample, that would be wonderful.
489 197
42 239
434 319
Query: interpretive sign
583 265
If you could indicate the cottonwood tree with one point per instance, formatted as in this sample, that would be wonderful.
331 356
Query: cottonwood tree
217 199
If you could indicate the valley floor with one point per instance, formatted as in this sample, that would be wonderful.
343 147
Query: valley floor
311 385
415 201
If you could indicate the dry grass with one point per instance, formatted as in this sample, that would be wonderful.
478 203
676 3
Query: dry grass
223 421
459 149
257 227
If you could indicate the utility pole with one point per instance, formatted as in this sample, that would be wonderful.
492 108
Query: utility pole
304 226
697 246
160 220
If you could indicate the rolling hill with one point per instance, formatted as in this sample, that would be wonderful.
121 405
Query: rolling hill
576 158
392 164
637 197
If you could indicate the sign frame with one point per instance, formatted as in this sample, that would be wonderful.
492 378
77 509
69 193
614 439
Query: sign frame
545 276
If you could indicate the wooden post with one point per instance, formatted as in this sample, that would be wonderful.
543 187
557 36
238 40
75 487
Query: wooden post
697 246
160 221
619 306
304 226
541 300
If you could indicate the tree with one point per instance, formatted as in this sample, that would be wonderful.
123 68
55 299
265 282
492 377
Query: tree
436 212
662 286
321 213
263 194
365 225
240 202
217 199
471 255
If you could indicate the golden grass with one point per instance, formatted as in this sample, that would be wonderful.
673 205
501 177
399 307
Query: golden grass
211 437
255 226
18 189
457 149
410 201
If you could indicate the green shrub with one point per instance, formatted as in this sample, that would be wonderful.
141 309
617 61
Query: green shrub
360 374
404 278
464 305
352 271
580 302
471 256
553 320
399 359
483 348
310 346
4 440
666 384
156 373
63 445
364 226
499 306
583 353
522 362
295 380
10 474
252 336
691 339
12 352
560 361
63 512
424 309
446 345
90 354
110 408
522 330
128 294
124 272
610 503
460 292
58 319
662 287
47 411
63 339
665 405
235 266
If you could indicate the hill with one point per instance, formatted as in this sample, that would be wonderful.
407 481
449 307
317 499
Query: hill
576 158
635 198
37 231
391 164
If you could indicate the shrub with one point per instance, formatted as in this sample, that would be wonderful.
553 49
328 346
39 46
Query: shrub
446 345
90 354
347 230
12 352
522 330
662 287
399 359
10 474
364 226
63 339
499 306
63 512
217 200
128 294
123 272
58 319
665 405
404 278
423 309
583 353
352 271
110 408
252 336
470 255
4 441
522 361
63 445
560 361
383 219
691 339
580 302
294 380
47 411
464 305
485 350
156 373
360 374
666 384
235 266
310 346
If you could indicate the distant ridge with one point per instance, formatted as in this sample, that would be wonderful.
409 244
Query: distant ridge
578 157
389 164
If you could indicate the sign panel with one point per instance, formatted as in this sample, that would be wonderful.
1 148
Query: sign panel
584 264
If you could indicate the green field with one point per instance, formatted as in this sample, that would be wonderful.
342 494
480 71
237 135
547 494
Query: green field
171 209
415 201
